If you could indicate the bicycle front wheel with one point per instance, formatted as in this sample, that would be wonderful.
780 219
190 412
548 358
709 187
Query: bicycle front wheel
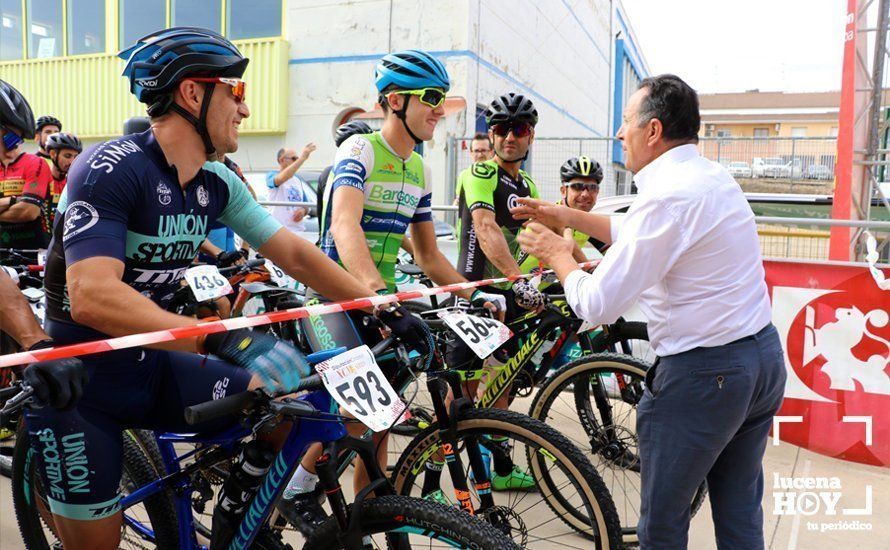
412 523
155 515
552 496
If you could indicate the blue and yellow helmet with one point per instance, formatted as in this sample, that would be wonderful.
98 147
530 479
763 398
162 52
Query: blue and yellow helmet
410 70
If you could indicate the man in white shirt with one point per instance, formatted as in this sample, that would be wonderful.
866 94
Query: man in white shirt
285 185
688 252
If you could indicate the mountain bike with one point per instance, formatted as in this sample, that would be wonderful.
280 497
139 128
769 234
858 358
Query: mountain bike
149 499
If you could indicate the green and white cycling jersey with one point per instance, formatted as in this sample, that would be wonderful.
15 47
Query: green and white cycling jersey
397 193
487 185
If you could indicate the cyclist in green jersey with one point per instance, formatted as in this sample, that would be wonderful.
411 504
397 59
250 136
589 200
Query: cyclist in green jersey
580 178
486 191
378 187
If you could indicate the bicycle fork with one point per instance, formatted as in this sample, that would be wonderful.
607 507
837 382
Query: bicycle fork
450 445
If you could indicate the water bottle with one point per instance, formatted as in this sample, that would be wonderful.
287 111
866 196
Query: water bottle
244 478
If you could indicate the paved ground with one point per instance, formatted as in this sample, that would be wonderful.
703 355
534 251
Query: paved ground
817 531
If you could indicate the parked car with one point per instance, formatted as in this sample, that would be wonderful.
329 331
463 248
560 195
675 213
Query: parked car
819 172
775 167
739 170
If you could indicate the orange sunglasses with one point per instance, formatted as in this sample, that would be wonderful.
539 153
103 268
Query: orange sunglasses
236 84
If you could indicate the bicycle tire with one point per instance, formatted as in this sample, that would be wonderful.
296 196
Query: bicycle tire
393 512
607 531
575 378
5 463
620 337
32 510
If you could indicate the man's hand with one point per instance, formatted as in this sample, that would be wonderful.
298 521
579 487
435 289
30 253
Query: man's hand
527 296
308 150
546 245
226 259
495 303
58 383
555 216
299 214
277 363
410 330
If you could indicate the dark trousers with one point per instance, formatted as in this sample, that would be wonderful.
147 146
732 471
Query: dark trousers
706 414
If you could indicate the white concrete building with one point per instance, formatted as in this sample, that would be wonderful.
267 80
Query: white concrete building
561 53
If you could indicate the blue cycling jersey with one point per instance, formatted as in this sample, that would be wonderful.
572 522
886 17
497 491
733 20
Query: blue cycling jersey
125 202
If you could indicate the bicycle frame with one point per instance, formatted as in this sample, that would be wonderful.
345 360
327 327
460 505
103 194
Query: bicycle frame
532 330
304 432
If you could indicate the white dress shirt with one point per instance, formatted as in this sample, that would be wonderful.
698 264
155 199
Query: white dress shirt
688 251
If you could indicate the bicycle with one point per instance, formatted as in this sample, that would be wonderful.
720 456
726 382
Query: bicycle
605 433
401 519
594 400
569 488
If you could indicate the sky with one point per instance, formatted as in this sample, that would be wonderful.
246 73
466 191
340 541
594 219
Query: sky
734 46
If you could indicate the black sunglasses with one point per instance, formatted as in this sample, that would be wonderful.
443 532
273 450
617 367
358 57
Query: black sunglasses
519 129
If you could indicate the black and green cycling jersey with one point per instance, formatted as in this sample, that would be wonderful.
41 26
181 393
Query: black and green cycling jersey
487 185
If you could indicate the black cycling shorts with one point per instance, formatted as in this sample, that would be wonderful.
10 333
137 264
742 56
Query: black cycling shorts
79 452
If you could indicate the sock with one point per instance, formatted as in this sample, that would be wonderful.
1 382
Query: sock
432 476
503 463
303 481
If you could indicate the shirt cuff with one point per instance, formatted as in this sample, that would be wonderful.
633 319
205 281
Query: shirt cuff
615 223
572 286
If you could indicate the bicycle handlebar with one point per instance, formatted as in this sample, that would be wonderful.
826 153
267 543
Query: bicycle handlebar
230 405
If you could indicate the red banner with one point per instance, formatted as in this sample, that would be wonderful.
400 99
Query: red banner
842 209
835 329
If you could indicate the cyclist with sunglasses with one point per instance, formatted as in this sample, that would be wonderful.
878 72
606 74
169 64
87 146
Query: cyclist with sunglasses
378 187
24 178
136 208
581 178
488 249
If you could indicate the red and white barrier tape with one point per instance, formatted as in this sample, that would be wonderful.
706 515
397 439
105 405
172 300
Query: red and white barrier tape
148 338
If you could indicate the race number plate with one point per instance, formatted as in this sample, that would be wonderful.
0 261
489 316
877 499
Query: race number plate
279 277
482 334
207 283
356 382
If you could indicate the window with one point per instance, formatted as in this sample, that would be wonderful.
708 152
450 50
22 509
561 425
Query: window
10 29
196 13
44 28
832 132
140 17
761 132
724 133
86 26
799 131
253 18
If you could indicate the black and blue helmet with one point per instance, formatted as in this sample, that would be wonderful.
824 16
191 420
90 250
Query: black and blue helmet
349 129
410 70
157 62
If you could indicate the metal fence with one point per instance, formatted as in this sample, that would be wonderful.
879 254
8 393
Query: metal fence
776 164
794 161
782 165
